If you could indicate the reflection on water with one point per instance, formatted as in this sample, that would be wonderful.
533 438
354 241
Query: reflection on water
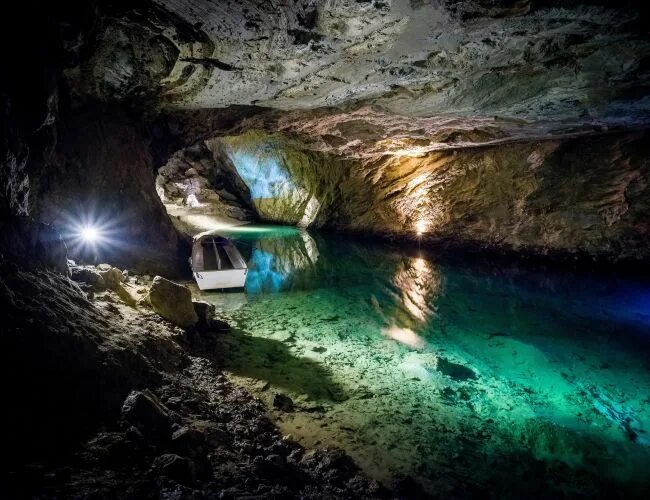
427 367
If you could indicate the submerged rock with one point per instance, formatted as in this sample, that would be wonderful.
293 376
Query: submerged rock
283 402
454 370
173 302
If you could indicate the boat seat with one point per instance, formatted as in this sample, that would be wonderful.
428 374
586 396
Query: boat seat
224 259
210 262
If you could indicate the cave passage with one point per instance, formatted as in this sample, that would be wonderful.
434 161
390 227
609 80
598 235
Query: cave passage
408 362
443 207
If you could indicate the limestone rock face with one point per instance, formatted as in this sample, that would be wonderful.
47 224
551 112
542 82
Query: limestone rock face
33 244
582 195
89 276
112 277
204 179
173 302
529 60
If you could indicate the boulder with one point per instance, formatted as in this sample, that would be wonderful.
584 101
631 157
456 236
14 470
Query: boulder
189 442
207 321
143 410
173 302
175 467
124 294
112 276
204 311
89 276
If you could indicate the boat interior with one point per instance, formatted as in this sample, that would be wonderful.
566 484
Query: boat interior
216 254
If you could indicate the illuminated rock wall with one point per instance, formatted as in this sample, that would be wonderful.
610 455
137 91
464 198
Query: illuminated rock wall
587 195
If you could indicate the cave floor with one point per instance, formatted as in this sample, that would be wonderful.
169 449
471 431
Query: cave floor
463 377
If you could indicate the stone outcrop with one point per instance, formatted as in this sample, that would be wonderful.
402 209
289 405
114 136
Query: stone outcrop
585 195
173 302
204 180
107 395
33 244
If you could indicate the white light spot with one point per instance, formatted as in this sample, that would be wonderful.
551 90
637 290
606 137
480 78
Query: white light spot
90 234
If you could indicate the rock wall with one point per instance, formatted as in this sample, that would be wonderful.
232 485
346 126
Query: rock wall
103 176
64 158
202 178
587 195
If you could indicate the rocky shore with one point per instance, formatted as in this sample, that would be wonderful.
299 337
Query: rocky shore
119 402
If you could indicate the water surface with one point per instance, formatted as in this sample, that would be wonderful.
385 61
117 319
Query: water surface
465 376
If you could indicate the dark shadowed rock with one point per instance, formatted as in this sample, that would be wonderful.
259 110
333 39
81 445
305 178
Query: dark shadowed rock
174 467
207 322
283 402
33 243
454 370
143 410
173 302
332 464
89 276
189 442
204 311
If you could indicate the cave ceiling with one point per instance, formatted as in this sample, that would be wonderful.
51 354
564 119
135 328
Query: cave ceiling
426 72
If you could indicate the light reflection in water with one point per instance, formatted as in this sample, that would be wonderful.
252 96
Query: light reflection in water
418 285
503 352
274 261
404 336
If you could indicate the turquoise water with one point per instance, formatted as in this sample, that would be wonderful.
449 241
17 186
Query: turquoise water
471 378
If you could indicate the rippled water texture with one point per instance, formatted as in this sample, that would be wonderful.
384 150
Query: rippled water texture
467 377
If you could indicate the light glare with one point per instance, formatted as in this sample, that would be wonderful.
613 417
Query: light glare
90 234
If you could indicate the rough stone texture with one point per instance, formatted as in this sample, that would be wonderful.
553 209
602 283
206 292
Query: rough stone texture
203 178
103 176
33 244
586 195
71 359
112 277
173 302
143 410
81 425
89 276
525 59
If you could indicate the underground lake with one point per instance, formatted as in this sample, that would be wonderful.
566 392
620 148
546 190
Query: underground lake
325 249
444 370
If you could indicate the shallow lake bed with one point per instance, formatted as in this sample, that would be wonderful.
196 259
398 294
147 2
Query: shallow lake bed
460 376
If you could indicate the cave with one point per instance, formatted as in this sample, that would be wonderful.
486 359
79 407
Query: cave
439 211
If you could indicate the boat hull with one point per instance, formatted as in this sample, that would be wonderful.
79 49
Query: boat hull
227 278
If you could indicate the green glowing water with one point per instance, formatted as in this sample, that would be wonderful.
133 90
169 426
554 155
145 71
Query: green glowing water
467 377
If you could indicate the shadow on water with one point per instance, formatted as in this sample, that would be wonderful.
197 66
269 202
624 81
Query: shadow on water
271 361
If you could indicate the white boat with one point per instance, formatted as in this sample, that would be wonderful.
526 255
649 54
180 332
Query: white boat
216 263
